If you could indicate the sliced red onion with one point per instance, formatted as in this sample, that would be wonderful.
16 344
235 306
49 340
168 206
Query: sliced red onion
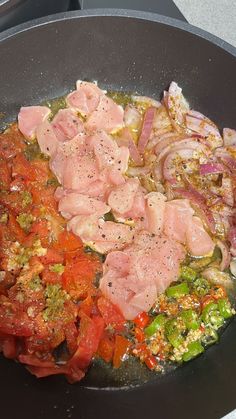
229 137
185 143
226 158
148 100
161 120
233 267
132 117
227 191
169 167
226 258
217 277
146 129
127 140
232 240
199 201
211 168
204 126
165 140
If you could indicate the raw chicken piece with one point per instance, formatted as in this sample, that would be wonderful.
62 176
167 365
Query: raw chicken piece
30 117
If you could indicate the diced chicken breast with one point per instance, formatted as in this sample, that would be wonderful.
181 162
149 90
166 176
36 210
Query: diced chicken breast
198 240
30 117
46 138
66 124
178 215
133 278
85 99
108 116
155 210
77 204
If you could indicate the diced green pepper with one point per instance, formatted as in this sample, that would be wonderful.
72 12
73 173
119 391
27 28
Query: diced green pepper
201 286
225 308
175 338
211 316
178 290
190 319
194 349
188 274
155 325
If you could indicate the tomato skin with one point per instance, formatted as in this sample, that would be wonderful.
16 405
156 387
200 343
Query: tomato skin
151 362
8 345
49 277
68 241
106 348
90 333
111 314
139 334
52 256
122 346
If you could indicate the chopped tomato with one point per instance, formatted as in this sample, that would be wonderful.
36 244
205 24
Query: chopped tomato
206 300
90 333
49 277
8 346
71 333
68 242
14 322
11 142
43 196
111 313
5 175
23 168
122 346
52 256
142 320
15 229
218 292
41 169
12 201
86 306
106 348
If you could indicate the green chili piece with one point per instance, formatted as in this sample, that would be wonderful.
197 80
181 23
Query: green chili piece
211 316
177 290
225 308
188 274
156 324
194 349
190 319
201 286
210 336
175 338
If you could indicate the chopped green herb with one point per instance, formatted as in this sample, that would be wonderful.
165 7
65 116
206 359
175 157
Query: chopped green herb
3 218
53 182
55 299
190 319
25 220
201 287
120 98
58 268
35 284
26 198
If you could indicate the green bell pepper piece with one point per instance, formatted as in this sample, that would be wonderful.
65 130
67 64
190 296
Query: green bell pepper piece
210 336
155 325
211 316
194 349
177 290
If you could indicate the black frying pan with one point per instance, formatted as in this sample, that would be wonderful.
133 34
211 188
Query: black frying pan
139 52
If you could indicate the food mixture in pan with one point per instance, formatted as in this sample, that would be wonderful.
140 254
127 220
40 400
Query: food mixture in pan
118 232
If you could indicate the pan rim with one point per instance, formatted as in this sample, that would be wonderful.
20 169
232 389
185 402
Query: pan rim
123 13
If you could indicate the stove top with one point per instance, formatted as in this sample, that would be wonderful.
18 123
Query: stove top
163 7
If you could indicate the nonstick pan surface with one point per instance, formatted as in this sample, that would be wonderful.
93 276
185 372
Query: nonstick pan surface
136 52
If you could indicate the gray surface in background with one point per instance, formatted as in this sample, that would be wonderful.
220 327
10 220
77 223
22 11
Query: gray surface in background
215 16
